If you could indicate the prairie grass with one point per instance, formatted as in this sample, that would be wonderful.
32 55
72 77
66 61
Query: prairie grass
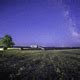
40 64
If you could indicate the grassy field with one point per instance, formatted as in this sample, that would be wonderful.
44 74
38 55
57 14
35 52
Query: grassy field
40 64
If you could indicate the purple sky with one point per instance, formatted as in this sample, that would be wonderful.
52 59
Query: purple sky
42 22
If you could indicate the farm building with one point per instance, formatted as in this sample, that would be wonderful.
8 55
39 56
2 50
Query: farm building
37 47
34 46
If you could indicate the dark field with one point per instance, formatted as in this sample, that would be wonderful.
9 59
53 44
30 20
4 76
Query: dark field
40 64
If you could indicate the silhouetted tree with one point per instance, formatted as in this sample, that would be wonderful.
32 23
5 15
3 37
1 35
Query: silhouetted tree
7 41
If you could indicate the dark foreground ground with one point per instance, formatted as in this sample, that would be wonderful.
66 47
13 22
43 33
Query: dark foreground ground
40 65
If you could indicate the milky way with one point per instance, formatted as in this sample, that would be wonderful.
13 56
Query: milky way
72 14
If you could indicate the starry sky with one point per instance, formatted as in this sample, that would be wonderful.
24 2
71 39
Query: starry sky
41 22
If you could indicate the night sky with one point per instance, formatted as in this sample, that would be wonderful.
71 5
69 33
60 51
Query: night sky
42 22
